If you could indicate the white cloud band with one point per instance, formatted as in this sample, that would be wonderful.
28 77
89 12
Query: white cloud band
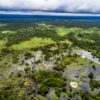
64 5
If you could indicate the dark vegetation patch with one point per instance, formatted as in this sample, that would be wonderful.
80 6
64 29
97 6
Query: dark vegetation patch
49 79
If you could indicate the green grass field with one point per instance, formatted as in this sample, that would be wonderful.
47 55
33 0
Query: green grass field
8 32
2 43
62 31
33 43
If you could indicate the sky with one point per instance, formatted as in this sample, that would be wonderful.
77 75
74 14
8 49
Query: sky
51 6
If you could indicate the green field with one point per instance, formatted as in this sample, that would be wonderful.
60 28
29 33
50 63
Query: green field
62 31
33 43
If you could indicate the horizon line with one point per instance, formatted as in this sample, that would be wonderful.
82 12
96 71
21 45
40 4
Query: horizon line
46 13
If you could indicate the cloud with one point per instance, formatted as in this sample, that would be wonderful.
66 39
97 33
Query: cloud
92 6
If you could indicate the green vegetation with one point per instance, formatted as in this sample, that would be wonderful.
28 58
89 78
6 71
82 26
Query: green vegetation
50 79
89 41
39 60
33 43
62 31
2 43
8 32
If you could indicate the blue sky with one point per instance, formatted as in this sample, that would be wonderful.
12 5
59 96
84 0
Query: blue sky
52 6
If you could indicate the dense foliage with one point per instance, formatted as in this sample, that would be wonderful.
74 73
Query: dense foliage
39 61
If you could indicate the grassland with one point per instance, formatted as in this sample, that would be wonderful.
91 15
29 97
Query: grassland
2 43
33 43
8 32
62 31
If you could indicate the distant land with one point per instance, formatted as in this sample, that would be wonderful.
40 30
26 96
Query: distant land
50 17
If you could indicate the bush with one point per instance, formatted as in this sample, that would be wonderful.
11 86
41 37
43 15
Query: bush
19 74
28 55
58 91
43 90
27 69
50 79
91 76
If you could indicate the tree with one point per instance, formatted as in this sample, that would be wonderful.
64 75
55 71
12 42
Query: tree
91 76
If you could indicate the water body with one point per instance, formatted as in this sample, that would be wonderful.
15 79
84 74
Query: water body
83 86
89 55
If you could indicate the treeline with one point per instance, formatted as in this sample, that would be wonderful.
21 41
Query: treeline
79 40
68 23
22 35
